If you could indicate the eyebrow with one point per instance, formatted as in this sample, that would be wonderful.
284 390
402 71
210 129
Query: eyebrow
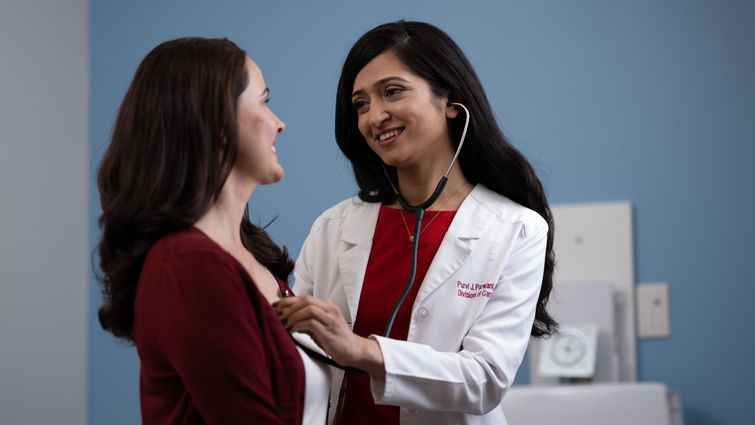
379 82
265 92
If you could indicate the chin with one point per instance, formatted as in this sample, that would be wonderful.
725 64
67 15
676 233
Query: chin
395 161
277 177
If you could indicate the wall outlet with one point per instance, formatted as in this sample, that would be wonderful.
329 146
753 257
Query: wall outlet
653 318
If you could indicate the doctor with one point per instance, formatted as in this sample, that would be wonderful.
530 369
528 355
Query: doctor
485 251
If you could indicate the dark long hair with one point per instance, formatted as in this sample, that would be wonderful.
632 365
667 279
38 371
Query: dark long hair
173 146
487 156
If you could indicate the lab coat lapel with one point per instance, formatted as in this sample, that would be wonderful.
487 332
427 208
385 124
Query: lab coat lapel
458 244
358 230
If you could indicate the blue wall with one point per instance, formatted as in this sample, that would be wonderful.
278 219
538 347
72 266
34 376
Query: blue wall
652 102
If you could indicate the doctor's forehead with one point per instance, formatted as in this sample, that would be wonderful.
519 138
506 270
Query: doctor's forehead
381 69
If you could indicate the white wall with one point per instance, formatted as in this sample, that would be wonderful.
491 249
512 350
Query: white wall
43 177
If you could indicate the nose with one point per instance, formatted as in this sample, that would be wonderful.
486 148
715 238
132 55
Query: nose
281 125
377 114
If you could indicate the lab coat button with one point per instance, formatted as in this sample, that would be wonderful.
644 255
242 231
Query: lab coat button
422 313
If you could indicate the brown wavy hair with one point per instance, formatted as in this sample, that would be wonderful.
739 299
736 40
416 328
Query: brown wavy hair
173 146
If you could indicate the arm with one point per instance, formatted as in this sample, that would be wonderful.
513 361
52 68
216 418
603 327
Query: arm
304 268
210 332
474 378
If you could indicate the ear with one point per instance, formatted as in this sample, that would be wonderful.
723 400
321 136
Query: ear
451 111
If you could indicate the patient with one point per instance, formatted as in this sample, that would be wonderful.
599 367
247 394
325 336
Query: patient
185 275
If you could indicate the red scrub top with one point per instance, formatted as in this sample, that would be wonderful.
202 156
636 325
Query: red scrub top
387 273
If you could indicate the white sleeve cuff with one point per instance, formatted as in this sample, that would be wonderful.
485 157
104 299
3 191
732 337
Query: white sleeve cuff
381 389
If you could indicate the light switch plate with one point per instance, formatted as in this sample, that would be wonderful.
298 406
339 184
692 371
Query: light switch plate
653 317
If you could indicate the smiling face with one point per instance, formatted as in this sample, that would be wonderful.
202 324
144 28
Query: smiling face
257 128
400 117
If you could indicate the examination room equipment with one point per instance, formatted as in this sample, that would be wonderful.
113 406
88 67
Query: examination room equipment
587 374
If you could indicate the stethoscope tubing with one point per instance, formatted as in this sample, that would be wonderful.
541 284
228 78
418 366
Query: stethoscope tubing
419 214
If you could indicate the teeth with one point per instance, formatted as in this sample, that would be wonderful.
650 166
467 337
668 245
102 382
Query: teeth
273 148
388 135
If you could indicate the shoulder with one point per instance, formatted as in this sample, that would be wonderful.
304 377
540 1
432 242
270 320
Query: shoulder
188 249
345 210
190 266
188 241
504 210
351 220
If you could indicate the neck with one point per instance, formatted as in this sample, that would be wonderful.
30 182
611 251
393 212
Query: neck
416 186
222 221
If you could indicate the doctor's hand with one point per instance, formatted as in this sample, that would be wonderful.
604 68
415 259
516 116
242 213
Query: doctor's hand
323 321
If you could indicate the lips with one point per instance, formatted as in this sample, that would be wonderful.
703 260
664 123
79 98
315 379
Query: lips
389 136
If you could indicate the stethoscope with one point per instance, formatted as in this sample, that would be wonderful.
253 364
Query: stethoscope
419 214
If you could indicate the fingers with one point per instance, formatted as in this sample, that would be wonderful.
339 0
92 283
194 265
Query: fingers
285 305
309 313
311 327
320 319
293 309
333 340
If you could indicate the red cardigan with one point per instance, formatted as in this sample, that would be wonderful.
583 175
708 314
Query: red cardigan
212 349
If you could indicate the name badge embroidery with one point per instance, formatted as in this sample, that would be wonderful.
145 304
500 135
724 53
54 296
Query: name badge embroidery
474 290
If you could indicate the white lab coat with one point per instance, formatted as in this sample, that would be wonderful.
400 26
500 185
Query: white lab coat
472 317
